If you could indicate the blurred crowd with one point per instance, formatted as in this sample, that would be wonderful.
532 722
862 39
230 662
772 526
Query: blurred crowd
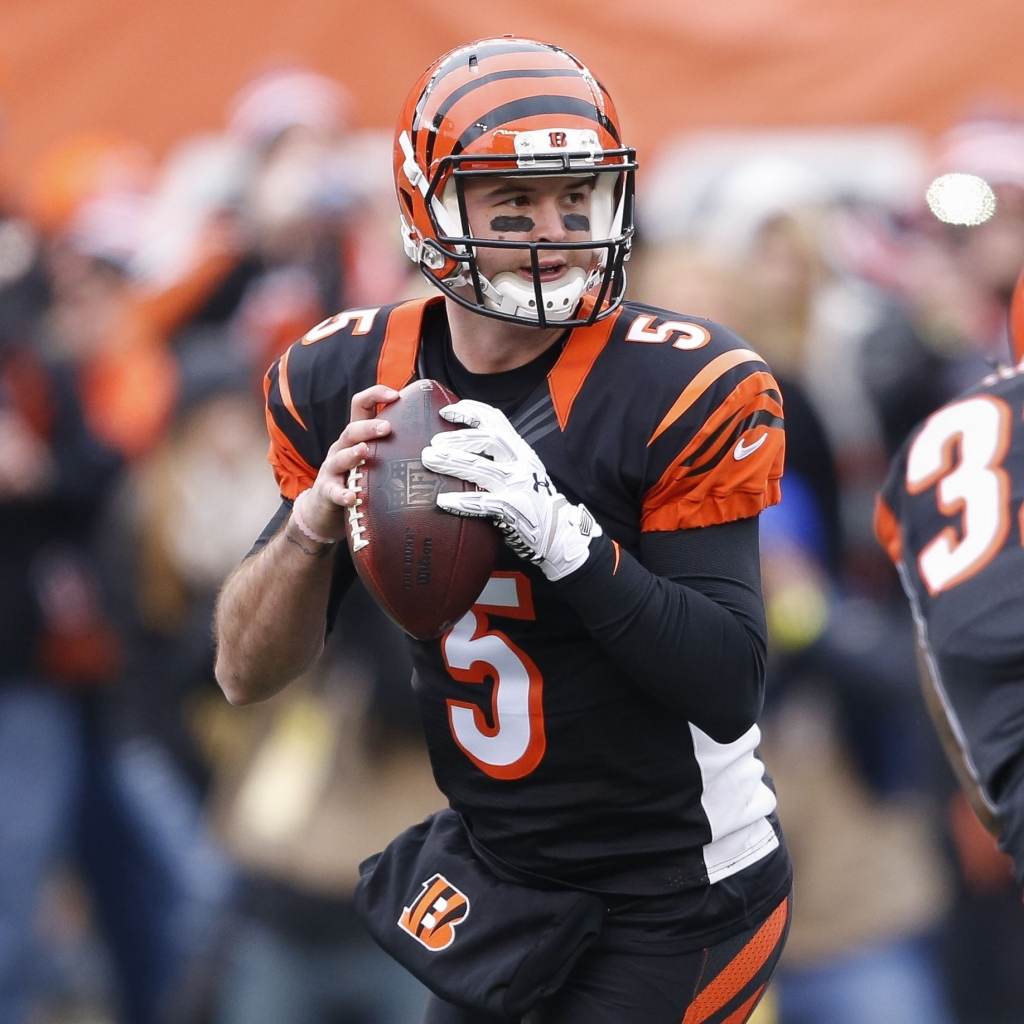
165 858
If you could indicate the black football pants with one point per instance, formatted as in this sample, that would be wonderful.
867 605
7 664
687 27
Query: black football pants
718 985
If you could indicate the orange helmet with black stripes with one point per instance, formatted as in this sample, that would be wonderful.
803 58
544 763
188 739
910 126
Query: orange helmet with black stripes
511 107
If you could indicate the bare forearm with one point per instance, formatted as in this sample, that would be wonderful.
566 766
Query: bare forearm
272 611
271 615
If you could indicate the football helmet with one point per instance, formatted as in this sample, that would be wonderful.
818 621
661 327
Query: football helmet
511 107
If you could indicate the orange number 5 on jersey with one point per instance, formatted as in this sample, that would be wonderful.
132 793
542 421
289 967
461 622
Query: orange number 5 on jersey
514 745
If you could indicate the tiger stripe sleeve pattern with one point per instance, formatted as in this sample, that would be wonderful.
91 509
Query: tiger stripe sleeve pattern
292 453
729 449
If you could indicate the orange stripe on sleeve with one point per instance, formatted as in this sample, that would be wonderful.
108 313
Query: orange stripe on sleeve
397 362
286 391
887 530
741 970
703 488
292 472
566 378
716 368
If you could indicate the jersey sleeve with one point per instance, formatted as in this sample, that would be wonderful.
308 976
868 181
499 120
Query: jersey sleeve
887 510
309 389
717 454
295 451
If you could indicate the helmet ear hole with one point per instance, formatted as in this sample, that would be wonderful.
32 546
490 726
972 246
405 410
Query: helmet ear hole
407 199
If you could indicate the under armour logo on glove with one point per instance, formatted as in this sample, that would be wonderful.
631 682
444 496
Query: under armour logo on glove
587 522
538 523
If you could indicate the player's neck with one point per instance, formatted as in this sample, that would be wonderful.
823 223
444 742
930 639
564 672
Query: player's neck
485 345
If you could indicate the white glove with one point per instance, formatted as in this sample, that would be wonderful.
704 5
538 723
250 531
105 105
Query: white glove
538 523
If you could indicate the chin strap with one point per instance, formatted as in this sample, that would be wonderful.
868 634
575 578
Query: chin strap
509 294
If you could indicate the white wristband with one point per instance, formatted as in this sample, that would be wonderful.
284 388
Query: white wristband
301 523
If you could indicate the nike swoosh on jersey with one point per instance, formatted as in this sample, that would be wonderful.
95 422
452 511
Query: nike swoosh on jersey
741 451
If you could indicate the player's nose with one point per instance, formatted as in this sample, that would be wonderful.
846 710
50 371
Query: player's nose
549 225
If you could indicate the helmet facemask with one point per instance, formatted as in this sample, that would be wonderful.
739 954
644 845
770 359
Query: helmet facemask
508 297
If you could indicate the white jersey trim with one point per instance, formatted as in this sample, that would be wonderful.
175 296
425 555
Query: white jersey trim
736 802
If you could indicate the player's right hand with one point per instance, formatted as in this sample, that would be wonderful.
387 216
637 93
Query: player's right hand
324 505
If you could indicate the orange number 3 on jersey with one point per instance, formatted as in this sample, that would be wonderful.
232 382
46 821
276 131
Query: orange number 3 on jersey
474 653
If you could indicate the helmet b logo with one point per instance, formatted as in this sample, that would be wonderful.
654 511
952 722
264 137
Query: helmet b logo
558 140
432 918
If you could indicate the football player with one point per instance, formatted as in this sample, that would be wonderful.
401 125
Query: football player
951 517
625 452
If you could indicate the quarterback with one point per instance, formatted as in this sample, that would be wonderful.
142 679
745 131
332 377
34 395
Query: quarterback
592 719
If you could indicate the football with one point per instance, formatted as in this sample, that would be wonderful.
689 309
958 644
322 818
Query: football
424 567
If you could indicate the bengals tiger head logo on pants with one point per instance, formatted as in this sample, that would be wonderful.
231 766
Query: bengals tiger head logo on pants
434 915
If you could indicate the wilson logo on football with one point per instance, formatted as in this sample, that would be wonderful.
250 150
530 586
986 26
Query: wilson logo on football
434 916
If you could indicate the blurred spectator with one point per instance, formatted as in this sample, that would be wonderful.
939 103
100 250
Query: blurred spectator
945 325
289 122
848 755
58 647
81 168
841 738
333 767
274 224
872 880
946 319
117 780
98 323
175 532
88 384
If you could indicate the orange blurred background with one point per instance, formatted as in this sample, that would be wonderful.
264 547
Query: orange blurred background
159 70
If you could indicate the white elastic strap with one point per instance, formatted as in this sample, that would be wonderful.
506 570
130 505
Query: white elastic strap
412 169
301 523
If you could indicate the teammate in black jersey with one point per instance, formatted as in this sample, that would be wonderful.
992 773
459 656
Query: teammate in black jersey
951 517
626 452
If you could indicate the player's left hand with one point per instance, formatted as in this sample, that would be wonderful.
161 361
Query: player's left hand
538 523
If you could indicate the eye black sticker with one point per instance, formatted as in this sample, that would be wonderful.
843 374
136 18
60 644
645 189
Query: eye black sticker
576 222
512 224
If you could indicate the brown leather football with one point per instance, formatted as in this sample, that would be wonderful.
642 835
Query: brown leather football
424 567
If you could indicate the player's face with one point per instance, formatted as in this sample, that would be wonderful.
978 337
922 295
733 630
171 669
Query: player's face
552 209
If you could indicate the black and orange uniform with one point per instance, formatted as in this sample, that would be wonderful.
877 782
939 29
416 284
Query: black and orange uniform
951 517
600 731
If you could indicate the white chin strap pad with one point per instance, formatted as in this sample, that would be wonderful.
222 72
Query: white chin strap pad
509 293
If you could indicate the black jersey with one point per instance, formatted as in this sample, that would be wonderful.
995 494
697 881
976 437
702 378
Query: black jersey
560 764
951 517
